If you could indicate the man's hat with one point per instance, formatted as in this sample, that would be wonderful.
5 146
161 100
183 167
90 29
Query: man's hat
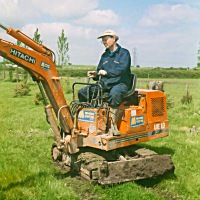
108 33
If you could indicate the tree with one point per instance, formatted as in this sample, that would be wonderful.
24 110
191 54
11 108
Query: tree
36 37
63 48
17 69
198 57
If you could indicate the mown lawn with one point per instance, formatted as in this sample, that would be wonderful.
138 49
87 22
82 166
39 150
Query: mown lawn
27 172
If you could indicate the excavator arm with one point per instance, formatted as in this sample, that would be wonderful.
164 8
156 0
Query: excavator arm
38 61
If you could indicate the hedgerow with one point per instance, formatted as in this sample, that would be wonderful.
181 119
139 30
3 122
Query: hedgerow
81 71
141 73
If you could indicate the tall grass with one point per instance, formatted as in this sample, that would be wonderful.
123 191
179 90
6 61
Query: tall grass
27 172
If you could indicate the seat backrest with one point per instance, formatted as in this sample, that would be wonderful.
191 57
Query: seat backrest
131 91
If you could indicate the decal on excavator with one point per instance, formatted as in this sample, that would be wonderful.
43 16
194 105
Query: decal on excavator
159 126
44 65
22 56
86 116
137 120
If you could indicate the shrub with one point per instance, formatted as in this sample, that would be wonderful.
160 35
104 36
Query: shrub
22 89
186 99
10 72
170 101
38 99
68 88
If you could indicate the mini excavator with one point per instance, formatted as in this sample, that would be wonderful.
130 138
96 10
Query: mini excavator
81 129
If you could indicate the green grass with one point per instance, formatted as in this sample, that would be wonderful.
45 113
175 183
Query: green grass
27 172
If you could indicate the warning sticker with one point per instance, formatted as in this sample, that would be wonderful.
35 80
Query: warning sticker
137 121
44 65
86 116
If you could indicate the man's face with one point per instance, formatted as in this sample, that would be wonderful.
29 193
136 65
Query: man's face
108 41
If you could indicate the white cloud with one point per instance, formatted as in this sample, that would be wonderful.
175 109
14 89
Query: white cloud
100 18
171 47
67 8
169 14
52 29
49 16
8 11
18 12
173 35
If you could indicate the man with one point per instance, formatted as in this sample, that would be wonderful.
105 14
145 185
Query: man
114 69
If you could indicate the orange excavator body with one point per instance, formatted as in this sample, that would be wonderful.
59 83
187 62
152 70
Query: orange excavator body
140 123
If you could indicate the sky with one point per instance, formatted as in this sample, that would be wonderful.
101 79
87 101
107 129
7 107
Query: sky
158 33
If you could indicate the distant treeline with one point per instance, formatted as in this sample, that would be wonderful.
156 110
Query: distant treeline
81 71
180 73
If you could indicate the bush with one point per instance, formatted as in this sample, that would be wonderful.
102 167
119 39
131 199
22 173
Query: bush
22 89
166 73
68 88
170 101
73 72
38 99
10 72
186 99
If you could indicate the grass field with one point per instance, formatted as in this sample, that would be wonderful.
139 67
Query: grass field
27 172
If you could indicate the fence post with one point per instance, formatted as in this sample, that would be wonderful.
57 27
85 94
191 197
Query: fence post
4 73
186 88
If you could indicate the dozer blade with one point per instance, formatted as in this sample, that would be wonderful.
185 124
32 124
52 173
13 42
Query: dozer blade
113 167
134 169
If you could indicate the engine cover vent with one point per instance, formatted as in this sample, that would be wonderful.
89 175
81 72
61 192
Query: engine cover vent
157 106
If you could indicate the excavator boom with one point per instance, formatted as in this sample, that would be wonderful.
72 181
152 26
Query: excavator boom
38 62
26 40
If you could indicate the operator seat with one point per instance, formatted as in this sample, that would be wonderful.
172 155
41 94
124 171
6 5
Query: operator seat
132 90
129 93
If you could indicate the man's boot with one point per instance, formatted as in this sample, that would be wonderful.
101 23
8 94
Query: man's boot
114 112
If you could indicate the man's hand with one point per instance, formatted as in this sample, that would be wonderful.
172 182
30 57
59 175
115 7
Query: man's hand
102 72
91 74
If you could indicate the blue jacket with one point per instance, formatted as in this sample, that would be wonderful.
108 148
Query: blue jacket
117 65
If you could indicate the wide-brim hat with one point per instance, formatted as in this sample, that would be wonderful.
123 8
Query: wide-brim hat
109 33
